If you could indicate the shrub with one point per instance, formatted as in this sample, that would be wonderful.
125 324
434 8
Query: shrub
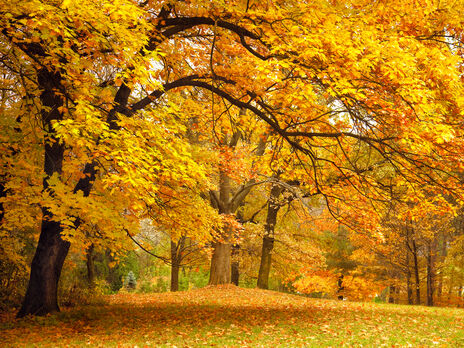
130 282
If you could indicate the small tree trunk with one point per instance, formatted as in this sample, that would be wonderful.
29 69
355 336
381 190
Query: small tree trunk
416 272
408 269
430 276
268 238
2 195
443 255
408 287
175 266
340 287
90 257
235 265
175 277
391 296
266 260
235 273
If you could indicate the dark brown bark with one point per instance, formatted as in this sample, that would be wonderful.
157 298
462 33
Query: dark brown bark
430 275
341 288
408 283
2 195
235 266
408 269
175 266
268 238
41 295
416 272
175 277
235 273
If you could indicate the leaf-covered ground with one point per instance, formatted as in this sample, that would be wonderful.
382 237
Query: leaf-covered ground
236 317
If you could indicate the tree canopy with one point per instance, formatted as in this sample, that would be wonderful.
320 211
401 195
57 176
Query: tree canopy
114 111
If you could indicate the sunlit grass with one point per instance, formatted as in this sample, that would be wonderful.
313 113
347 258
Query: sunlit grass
230 316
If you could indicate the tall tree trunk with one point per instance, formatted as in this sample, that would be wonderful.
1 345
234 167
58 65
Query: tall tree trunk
416 272
443 254
228 203
175 266
265 263
408 269
90 258
268 238
430 275
2 195
408 283
41 295
220 270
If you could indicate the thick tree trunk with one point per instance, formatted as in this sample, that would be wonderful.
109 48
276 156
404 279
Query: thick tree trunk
220 264
227 202
41 295
220 271
42 292
416 272
268 238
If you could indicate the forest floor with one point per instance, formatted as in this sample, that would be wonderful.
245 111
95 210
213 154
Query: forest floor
236 317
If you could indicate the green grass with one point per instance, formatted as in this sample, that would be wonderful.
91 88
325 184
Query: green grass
236 317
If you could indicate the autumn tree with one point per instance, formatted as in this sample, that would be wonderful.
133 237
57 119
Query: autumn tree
323 76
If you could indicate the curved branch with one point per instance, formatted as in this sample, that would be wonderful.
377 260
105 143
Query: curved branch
164 259
179 24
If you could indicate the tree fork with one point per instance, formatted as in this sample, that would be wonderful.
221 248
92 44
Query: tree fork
268 239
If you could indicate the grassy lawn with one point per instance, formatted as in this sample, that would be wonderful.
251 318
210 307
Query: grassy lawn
236 317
